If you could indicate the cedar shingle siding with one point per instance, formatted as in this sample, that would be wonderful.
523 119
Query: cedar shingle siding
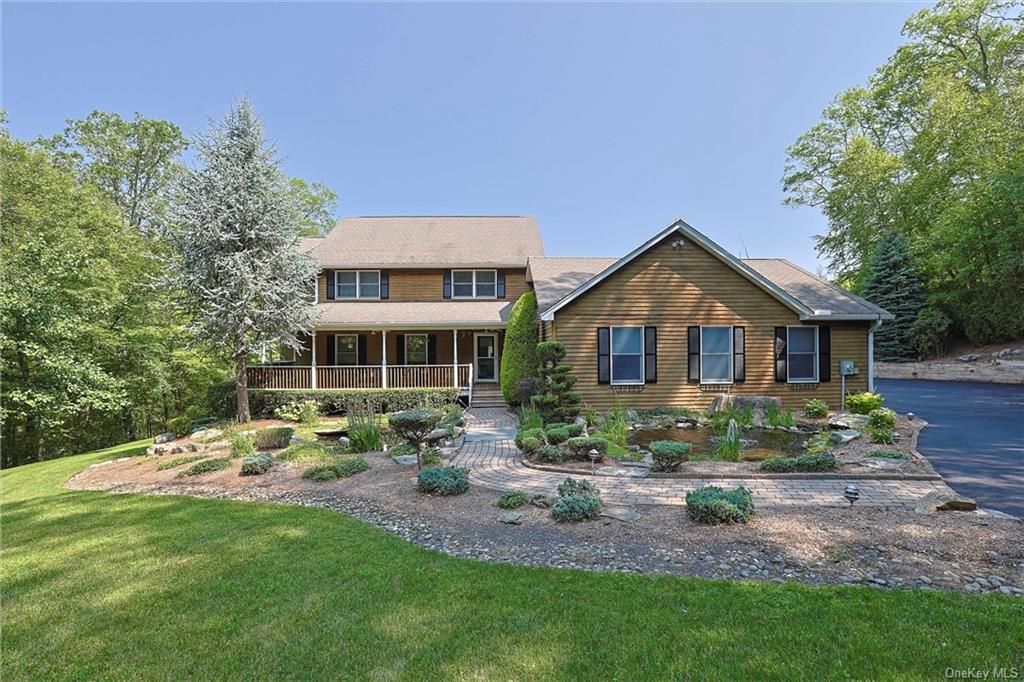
673 289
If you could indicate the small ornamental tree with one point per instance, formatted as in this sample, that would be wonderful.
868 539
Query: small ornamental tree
519 355
557 401
894 283
413 426
241 278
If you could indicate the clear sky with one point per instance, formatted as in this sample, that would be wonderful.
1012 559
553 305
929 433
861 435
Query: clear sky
606 121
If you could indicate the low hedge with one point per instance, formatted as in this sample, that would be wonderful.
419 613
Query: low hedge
263 402
580 446
801 464
669 454
712 505
549 453
443 480
256 464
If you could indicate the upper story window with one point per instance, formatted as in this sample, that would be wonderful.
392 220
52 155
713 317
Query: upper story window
716 355
474 283
357 283
627 357
802 354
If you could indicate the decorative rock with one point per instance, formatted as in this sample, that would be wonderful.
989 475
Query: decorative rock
970 357
435 435
164 438
543 501
513 518
344 442
624 514
405 460
621 472
848 421
207 434
996 514
944 501
843 437
580 421
884 463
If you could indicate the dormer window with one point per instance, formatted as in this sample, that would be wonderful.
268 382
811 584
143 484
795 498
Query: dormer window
474 283
355 284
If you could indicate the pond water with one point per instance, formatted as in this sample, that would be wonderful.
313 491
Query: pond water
758 444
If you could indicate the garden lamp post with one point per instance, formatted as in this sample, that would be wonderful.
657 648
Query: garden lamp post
594 456
852 494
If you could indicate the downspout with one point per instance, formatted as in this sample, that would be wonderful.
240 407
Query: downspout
871 354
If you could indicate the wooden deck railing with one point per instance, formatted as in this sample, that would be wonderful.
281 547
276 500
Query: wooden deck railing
361 376
277 377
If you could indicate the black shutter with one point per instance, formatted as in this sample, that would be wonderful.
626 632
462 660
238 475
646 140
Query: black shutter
431 349
332 355
739 354
385 281
399 349
362 349
693 354
650 355
780 354
604 347
501 284
447 288
824 354
329 274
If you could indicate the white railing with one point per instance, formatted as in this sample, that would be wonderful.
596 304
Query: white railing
360 376
279 377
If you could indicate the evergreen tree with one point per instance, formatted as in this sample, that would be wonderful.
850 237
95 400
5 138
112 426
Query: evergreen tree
519 354
244 283
894 283
557 401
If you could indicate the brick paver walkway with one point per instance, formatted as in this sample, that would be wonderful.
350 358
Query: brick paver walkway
490 454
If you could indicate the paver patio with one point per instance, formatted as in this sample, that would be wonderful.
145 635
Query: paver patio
494 462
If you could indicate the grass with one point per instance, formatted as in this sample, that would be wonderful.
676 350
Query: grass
309 452
122 586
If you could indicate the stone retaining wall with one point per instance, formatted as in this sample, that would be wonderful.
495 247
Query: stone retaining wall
982 371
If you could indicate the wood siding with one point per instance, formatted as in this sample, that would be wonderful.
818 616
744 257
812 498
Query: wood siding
427 285
673 289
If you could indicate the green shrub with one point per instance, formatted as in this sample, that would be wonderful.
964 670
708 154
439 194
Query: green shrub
524 434
930 331
241 443
512 500
669 454
178 461
863 403
576 508
180 426
257 464
403 449
801 464
342 467
712 505
815 409
275 438
881 435
530 445
818 444
414 425
263 402
580 446
519 353
365 438
577 486
206 466
551 454
430 457
530 418
888 454
302 411
556 400
558 435
443 480
307 452
882 417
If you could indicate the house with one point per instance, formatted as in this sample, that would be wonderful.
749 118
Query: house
424 301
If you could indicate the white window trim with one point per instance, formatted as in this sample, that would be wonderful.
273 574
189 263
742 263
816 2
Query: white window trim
359 275
611 356
817 355
337 351
426 350
495 295
732 354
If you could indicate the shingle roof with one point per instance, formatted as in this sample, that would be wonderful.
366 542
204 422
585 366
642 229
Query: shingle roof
309 243
443 314
431 241
811 290
555 278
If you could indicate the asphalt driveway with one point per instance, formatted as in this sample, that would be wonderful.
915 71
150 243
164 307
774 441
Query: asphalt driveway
975 435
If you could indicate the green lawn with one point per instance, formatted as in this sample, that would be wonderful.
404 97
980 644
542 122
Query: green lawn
118 586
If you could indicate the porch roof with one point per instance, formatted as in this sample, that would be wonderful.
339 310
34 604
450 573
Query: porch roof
405 314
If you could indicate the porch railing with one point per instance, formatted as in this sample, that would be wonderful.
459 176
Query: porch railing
360 376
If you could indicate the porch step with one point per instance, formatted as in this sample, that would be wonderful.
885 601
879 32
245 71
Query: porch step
488 395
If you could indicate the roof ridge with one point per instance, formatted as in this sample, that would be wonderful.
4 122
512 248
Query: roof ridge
467 215
577 257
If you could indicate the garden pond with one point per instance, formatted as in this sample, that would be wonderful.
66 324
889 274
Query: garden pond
757 443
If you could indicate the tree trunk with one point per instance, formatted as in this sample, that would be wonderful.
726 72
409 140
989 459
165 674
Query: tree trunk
242 389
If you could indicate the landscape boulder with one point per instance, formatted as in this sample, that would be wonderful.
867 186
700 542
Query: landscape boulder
165 438
843 436
941 500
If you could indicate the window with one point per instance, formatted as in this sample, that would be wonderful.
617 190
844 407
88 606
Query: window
627 355
474 283
415 349
802 354
346 349
357 283
716 355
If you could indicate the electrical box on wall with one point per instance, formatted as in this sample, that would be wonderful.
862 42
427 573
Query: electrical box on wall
847 368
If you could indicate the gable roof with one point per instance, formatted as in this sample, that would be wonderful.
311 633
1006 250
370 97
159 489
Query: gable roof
431 241
797 289
555 278
413 314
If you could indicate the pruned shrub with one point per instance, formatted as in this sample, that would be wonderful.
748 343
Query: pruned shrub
576 508
413 426
881 435
580 446
536 433
815 409
556 400
863 403
801 464
443 480
519 353
256 464
206 466
342 467
302 411
577 486
263 402
558 434
669 454
882 417
713 505
512 500
242 443
551 454
275 438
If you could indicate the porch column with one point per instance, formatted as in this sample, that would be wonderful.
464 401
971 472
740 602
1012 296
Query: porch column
312 367
455 358
383 358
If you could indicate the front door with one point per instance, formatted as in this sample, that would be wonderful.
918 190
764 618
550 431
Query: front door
486 357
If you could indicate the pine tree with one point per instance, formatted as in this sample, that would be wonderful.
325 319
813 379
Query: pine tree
557 401
241 278
894 283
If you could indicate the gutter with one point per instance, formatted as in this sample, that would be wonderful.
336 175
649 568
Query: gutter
871 354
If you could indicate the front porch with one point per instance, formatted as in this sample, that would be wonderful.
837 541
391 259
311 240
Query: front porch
387 358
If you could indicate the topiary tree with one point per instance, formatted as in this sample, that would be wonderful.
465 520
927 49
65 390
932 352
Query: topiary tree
557 401
519 355
413 426
894 283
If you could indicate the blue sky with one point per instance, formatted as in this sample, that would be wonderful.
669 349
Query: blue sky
606 121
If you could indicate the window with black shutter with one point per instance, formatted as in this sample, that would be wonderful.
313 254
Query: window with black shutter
604 373
501 284
329 274
362 350
693 354
650 355
824 354
399 349
446 289
385 283
331 358
739 354
780 354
